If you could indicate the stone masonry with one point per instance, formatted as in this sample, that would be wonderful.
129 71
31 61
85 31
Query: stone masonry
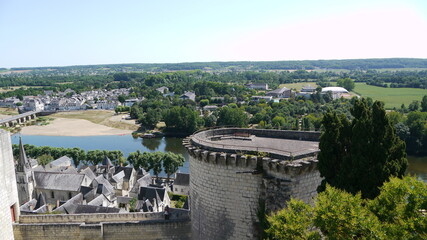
9 204
228 185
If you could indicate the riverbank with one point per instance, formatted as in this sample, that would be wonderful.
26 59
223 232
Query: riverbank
84 123
72 127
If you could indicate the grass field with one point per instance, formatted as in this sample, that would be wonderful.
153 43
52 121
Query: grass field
392 97
17 87
8 111
299 85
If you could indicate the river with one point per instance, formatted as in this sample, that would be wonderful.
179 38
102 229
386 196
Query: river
127 144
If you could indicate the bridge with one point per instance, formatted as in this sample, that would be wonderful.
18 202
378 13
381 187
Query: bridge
18 119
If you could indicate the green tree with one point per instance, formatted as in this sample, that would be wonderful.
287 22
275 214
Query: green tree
171 163
228 116
396 213
293 222
155 162
362 154
278 122
346 83
150 118
181 120
341 215
204 102
44 159
398 207
424 104
121 98
414 106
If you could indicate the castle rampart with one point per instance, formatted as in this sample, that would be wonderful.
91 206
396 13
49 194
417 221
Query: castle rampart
233 171
102 226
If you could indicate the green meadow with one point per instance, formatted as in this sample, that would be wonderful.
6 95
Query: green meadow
392 97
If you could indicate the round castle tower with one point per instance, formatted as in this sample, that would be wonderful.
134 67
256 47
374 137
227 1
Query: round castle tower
237 172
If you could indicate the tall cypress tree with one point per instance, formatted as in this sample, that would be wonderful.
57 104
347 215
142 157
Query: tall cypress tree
362 154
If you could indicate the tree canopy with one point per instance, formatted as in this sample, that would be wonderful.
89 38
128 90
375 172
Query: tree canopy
361 154
397 213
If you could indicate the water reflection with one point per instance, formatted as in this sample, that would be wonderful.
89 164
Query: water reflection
151 143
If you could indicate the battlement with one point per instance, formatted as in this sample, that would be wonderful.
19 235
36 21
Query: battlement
208 146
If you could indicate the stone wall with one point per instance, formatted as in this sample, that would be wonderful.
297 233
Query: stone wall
105 226
9 202
101 217
223 202
148 230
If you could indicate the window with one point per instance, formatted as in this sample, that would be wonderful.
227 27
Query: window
70 195
52 194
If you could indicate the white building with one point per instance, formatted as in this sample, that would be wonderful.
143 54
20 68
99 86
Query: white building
337 92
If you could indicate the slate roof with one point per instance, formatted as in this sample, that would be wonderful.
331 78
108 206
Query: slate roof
98 201
40 201
106 188
81 209
278 91
89 173
106 162
182 179
58 181
88 192
142 182
152 192
70 206
118 177
127 172
28 206
61 162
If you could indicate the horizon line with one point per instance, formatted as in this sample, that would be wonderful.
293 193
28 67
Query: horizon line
191 62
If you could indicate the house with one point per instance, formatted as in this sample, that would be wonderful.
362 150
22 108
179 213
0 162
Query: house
336 92
144 180
163 90
280 93
9 102
259 98
210 108
57 186
107 104
188 95
123 180
131 102
181 184
33 104
152 199
258 86
307 91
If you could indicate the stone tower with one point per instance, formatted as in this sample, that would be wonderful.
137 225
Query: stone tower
9 205
236 172
24 176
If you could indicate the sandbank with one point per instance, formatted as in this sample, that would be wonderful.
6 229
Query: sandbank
72 127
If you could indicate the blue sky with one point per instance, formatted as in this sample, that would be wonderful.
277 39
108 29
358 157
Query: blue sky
60 33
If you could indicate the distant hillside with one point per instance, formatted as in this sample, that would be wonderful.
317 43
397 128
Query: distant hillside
350 64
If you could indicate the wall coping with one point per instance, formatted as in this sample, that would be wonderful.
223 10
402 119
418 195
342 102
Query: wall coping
101 217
